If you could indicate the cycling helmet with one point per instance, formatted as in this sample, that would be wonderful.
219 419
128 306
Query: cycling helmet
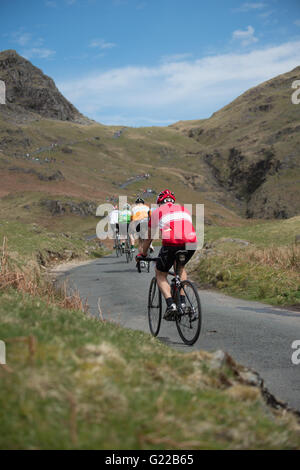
126 207
140 201
165 195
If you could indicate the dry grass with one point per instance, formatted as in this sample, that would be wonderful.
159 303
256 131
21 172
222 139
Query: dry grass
286 258
269 274
31 282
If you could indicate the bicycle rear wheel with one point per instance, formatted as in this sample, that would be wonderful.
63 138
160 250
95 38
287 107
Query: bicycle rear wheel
128 251
117 245
154 307
188 320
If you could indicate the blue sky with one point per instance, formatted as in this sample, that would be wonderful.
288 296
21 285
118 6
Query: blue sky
153 62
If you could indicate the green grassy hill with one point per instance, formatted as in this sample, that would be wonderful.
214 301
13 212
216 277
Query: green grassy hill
93 163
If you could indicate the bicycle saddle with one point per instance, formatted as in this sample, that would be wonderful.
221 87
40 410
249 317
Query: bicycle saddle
181 255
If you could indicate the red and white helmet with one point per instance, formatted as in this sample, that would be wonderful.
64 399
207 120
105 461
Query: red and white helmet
165 194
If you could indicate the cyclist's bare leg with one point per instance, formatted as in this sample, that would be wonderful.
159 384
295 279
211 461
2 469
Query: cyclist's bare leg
163 284
182 274
140 245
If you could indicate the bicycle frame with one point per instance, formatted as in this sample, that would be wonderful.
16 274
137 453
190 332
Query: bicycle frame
176 278
188 314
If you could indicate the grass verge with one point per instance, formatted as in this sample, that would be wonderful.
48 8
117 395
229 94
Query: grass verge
74 382
256 262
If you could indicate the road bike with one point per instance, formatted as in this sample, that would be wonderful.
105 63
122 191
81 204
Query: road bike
128 250
118 245
188 318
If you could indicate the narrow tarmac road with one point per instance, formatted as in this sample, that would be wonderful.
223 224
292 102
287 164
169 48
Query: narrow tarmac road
255 334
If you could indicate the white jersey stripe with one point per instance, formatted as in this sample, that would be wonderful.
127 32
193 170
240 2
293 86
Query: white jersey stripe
174 216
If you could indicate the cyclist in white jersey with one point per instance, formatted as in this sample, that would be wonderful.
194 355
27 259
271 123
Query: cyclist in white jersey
114 221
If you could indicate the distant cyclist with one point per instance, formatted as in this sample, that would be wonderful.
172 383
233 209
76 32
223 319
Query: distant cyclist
124 222
140 217
177 232
114 221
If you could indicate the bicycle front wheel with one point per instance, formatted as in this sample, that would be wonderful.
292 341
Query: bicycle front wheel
188 319
154 307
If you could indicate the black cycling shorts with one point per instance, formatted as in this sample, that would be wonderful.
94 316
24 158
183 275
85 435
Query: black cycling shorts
167 257
115 228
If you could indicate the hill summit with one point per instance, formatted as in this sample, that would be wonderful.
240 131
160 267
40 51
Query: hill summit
29 90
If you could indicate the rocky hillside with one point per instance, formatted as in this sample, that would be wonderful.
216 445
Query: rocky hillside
252 148
243 161
29 91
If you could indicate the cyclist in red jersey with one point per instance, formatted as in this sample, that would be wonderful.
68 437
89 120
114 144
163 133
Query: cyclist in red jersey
177 232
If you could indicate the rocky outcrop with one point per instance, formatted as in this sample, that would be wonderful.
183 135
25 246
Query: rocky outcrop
239 173
56 176
56 207
29 89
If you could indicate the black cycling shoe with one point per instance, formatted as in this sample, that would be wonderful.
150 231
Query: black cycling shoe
170 313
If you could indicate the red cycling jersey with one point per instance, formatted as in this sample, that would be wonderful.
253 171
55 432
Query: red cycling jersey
175 224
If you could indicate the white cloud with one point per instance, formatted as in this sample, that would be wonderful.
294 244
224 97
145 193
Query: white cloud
245 7
102 44
27 40
176 57
40 52
20 37
179 90
246 37
23 38
297 22
266 14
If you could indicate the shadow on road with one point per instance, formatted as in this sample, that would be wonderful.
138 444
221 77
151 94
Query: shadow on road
270 310
132 270
110 264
